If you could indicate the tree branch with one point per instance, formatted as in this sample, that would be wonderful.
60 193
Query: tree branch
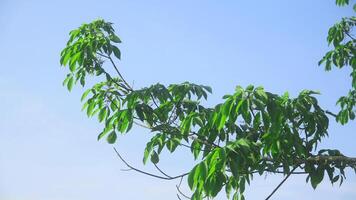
330 113
321 159
180 192
107 74
348 34
147 173
162 172
281 183
127 86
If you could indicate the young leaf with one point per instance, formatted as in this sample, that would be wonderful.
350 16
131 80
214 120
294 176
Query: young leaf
111 137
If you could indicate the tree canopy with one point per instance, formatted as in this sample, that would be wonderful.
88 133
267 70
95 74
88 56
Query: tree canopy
251 132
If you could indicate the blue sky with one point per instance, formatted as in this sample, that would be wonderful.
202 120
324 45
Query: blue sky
48 147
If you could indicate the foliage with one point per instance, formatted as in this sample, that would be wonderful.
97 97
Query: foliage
343 54
251 132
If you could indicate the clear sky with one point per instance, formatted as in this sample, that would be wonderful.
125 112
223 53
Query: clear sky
48 147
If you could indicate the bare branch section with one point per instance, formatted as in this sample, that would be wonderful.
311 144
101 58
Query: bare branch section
147 173
281 183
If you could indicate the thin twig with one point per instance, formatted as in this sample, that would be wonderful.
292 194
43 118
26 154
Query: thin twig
100 54
180 192
125 170
268 171
171 115
153 100
189 147
280 184
162 172
108 75
348 34
128 87
147 173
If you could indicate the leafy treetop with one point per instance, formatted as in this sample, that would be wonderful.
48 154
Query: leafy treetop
252 132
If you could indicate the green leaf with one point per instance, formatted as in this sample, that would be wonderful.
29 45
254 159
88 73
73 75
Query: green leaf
186 124
115 38
173 144
103 133
197 175
222 121
317 176
90 108
246 115
145 156
335 179
196 196
243 142
85 94
218 184
154 157
191 178
249 88
198 121
117 52
72 65
234 168
65 81
257 120
73 61
342 2
82 80
242 185
102 114
124 125
261 94
236 196
201 172
66 58
139 112
112 137
207 88
70 83
195 148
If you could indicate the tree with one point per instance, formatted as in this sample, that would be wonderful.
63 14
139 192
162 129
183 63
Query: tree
252 132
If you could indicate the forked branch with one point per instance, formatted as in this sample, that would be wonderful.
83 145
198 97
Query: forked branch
147 173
